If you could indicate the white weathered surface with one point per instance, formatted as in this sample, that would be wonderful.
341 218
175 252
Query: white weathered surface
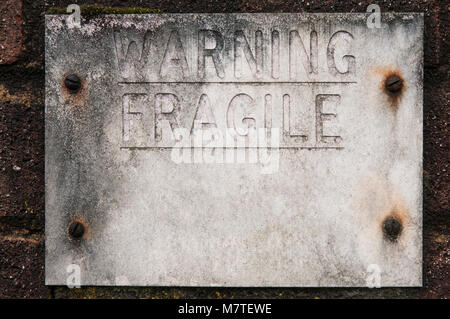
313 219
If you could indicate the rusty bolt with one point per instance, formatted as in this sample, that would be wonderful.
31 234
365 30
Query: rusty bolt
392 228
72 83
393 84
76 230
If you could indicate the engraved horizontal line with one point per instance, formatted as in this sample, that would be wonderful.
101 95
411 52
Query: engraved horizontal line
236 148
237 82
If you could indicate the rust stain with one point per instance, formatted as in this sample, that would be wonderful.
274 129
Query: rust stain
393 99
398 212
377 200
74 100
86 234
395 215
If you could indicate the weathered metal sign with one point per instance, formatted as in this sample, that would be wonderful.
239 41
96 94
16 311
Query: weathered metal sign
234 150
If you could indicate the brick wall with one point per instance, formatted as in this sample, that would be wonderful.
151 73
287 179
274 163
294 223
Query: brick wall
22 150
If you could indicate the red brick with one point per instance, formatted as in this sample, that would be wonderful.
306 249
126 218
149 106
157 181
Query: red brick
10 30
22 268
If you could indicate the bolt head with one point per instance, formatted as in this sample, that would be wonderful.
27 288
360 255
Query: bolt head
394 84
76 230
72 83
392 228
